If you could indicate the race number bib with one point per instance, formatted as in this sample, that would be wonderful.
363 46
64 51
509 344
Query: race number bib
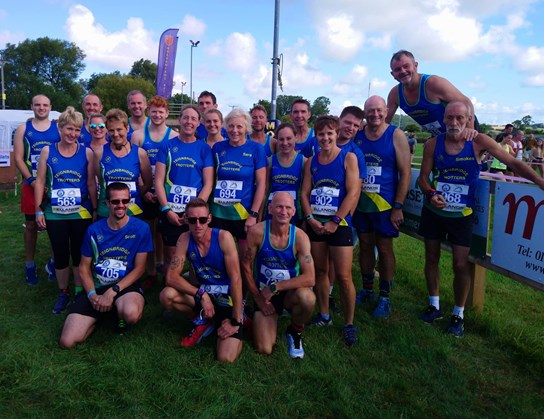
325 201
371 182
132 187
179 197
228 192
110 271
273 275
433 128
455 196
65 201
220 294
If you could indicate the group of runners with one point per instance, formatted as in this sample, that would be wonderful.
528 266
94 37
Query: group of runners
267 217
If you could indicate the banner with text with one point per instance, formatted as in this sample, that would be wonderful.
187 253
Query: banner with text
414 203
168 46
518 227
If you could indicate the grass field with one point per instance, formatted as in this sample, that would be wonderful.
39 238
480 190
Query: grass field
400 368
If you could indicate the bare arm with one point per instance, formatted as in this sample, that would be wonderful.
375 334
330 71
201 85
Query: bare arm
402 154
306 262
96 162
91 179
440 89
19 152
392 104
39 186
207 183
487 143
232 264
137 137
160 174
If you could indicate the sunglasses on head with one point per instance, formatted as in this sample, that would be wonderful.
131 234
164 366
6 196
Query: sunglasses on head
118 201
201 220
95 126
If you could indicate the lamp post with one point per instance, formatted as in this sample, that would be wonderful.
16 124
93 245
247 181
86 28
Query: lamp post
183 83
193 45
2 81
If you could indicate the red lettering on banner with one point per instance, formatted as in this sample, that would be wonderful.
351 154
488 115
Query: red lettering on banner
532 211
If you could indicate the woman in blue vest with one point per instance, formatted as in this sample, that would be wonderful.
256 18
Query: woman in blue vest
330 189
66 170
121 161
286 168
240 179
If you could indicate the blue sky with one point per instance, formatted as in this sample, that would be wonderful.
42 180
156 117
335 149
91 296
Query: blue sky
492 50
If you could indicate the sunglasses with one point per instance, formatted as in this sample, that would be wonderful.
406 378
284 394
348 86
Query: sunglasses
201 220
95 126
118 201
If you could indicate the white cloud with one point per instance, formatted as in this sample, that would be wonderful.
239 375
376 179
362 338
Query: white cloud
240 51
7 37
115 50
339 39
192 27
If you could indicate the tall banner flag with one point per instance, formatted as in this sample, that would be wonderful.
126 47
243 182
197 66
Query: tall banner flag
168 46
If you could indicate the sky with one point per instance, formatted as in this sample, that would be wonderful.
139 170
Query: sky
491 50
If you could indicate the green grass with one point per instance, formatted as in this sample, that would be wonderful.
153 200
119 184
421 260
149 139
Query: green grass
401 367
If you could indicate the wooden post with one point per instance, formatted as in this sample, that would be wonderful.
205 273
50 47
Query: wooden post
477 287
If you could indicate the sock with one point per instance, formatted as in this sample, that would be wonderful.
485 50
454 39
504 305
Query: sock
325 316
330 289
298 328
458 311
385 288
78 289
30 264
368 282
434 300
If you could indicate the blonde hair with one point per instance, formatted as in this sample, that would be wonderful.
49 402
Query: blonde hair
70 116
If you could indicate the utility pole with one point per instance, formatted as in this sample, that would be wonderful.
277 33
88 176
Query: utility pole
275 60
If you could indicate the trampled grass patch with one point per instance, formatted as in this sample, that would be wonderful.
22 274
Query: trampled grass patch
400 367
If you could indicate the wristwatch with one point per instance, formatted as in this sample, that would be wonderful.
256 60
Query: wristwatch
235 322
398 205
199 294
273 288
336 219
116 289
253 214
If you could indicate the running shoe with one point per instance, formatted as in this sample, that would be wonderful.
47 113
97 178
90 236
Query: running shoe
431 314
50 269
383 309
319 320
294 343
456 327
31 275
62 302
203 327
365 296
349 334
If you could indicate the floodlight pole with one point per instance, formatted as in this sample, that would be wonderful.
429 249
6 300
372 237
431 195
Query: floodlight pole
275 61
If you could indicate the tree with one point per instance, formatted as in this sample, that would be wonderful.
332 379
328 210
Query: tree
266 104
412 128
47 66
517 124
144 69
91 84
485 128
283 105
527 121
320 107
113 88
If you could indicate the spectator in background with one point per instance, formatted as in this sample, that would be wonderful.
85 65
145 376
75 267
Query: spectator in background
412 143
537 157
508 129
528 145
497 166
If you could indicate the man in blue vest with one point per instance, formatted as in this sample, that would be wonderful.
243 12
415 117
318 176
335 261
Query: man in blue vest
448 212
422 96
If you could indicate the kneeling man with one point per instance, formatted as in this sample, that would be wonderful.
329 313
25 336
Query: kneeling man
113 256
217 298
283 278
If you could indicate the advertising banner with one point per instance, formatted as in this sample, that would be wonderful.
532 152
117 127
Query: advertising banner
518 227
166 62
